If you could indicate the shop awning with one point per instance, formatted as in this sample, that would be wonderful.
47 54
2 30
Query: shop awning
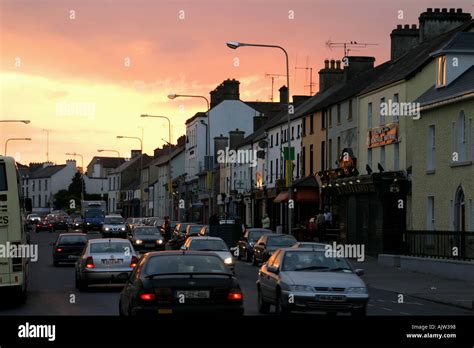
303 195
282 197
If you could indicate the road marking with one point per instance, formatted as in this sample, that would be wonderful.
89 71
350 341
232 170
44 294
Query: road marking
387 309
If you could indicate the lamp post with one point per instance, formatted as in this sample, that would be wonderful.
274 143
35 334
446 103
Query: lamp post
103 150
174 96
82 173
18 121
14 139
170 208
234 45
141 165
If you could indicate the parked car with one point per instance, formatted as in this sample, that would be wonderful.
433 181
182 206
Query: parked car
214 244
114 226
311 245
105 261
68 247
312 281
248 240
147 238
192 230
181 282
268 244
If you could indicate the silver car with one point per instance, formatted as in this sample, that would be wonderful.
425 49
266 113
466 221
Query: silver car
105 261
214 244
308 280
311 245
114 226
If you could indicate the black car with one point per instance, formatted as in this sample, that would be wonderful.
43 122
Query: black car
147 238
60 223
68 247
181 282
45 224
248 240
268 244
76 224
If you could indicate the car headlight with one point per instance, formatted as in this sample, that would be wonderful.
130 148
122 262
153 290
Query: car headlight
123 228
138 241
228 260
357 290
88 223
159 241
301 288
107 228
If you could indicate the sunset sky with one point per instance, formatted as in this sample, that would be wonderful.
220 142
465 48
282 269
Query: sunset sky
48 59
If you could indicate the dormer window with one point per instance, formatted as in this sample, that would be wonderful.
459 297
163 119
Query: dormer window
441 72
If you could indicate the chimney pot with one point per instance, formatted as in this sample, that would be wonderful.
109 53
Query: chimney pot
444 10
429 10
333 63
407 26
399 26
452 10
326 63
459 10
413 26
338 64
436 10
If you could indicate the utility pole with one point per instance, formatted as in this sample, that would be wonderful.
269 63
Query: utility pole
311 84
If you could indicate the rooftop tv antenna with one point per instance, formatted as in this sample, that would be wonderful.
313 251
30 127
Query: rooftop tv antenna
273 77
348 46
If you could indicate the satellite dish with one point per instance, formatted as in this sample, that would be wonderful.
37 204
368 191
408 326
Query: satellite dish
263 144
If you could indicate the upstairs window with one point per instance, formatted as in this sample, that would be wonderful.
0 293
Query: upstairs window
441 72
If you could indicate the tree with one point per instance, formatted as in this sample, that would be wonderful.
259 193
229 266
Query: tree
75 188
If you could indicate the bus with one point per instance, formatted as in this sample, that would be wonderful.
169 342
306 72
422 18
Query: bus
13 269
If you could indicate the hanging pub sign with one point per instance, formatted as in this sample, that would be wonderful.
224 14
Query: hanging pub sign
383 135
347 161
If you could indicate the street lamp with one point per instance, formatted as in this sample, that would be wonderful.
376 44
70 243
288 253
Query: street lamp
234 45
141 165
82 173
103 150
174 96
14 139
20 121
170 211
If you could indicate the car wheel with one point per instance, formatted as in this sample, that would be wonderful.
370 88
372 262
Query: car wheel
280 308
362 312
263 307
254 260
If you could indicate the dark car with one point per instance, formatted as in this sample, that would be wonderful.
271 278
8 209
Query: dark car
268 244
77 223
147 238
68 247
192 231
248 240
46 224
181 282
60 222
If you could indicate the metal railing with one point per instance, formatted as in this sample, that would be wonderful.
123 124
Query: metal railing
440 244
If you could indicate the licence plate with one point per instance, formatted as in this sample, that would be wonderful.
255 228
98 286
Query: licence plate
165 311
149 244
199 294
73 256
112 261
331 298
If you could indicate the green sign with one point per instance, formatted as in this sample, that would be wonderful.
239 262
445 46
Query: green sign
292 154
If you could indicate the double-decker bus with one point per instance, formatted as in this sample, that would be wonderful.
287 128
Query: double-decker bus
13 269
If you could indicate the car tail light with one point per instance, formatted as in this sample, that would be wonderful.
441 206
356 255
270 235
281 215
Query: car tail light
134 262
147 297
59 250
90 262
50 225
235 295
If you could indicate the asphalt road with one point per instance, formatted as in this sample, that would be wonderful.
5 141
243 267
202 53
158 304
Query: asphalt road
52 292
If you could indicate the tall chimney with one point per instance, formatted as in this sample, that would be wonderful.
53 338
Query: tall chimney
435 23
329 76
283 94
235 138
357 64
220 143
403 39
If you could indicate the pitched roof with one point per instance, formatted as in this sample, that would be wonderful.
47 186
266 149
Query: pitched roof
266 108
461 42
463 85
108 162
196 115
126 164
413 60
47 172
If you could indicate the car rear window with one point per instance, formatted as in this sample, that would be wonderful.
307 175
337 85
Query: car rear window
212 244
114 247
255 235
71 240
281 241
185 264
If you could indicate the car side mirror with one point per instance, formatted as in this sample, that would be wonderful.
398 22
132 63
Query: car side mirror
359 272
273 269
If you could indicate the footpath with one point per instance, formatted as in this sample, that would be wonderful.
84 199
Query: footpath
419 285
